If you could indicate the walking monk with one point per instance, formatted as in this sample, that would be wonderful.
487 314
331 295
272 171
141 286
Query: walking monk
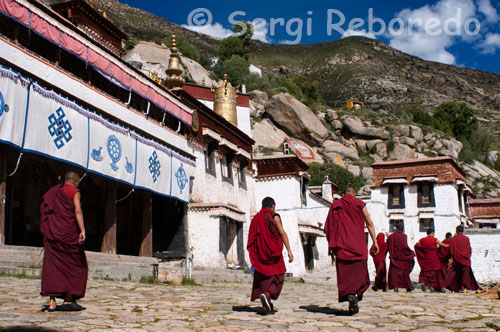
379 261
345 232
431 274
444 258
65 270
265 247
460 257
402 260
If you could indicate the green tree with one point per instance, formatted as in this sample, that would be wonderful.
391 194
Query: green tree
233 45
337 174
456 119
236 69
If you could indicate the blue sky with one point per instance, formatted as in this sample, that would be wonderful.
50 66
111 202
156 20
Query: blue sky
459 32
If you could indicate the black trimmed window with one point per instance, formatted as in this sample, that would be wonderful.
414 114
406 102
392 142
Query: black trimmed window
396 197
426 195
304 182
226 165
242 179
425 224
210 158
460 203
394 222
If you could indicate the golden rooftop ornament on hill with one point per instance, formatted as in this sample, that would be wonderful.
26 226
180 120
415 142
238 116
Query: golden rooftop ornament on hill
174 70
225 102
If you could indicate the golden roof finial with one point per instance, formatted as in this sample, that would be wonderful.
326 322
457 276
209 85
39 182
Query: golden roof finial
225 101
174 70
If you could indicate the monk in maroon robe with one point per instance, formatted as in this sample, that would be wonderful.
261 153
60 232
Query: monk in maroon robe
402 260
65 270
265 248
431 274
444 258
379 261
461 251
345 232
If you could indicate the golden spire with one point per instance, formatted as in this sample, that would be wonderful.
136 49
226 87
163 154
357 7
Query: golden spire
225 101
174 70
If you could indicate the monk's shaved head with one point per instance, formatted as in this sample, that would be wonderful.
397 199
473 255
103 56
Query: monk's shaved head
71 176
350 190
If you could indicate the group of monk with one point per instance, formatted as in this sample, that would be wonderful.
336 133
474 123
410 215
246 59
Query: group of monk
444 265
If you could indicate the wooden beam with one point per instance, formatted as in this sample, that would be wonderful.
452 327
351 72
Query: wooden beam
108 244
147 225
3 191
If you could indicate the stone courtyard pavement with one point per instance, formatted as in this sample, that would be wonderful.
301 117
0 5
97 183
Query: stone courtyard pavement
128 306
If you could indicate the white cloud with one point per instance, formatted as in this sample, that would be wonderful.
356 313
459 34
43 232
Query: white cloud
430 30
486 8
363 33
215 30
491 43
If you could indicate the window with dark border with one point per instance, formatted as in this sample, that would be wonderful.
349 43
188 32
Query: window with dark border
242 180
226 165
303 190
396 197
394 222
425 224
426 195
210 158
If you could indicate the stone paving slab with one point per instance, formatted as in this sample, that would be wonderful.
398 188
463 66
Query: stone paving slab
128 306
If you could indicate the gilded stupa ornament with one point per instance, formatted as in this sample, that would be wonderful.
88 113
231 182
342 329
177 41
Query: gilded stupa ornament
174 70
225 102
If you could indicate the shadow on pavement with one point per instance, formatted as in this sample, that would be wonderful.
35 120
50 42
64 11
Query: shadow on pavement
27 329
325 310
247 308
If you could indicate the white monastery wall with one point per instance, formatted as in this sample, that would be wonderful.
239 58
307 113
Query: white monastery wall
485 259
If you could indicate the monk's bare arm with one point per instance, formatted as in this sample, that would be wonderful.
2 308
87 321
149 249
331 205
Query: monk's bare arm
284 236
442 244
79 216
371 228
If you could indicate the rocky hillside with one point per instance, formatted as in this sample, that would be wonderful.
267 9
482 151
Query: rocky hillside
355 139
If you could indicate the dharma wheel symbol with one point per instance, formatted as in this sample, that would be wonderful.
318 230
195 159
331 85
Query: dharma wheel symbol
114 150
181 178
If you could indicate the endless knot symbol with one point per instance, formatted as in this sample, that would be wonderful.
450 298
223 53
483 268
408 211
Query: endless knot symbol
181 178
154 166
114 150
60 128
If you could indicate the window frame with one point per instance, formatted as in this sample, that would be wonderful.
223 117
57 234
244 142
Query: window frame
228 165
421 225
431 202
210 158
390 201
392 225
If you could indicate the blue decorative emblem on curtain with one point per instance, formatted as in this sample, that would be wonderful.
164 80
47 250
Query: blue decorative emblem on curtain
4 108
96 154
129 167
114 151
181 178
154 166
60 128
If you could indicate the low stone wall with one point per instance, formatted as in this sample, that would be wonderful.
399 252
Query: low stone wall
172 271
485 257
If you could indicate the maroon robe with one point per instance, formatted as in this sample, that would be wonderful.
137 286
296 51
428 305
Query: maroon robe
461 252
402 261
65 269
345 232
444 257
379 261
430 266
265 248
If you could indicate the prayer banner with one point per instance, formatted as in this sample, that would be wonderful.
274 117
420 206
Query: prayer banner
181 173
13 100
111 151
56 127
154 168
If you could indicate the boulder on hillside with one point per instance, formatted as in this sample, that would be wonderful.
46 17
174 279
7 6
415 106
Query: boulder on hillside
453 148
337 124
331 115
367 174
333 146
416 133
296 119
356 128
334 158
259 97
400 130
372 143
408 141
401 152
266 134
354 170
